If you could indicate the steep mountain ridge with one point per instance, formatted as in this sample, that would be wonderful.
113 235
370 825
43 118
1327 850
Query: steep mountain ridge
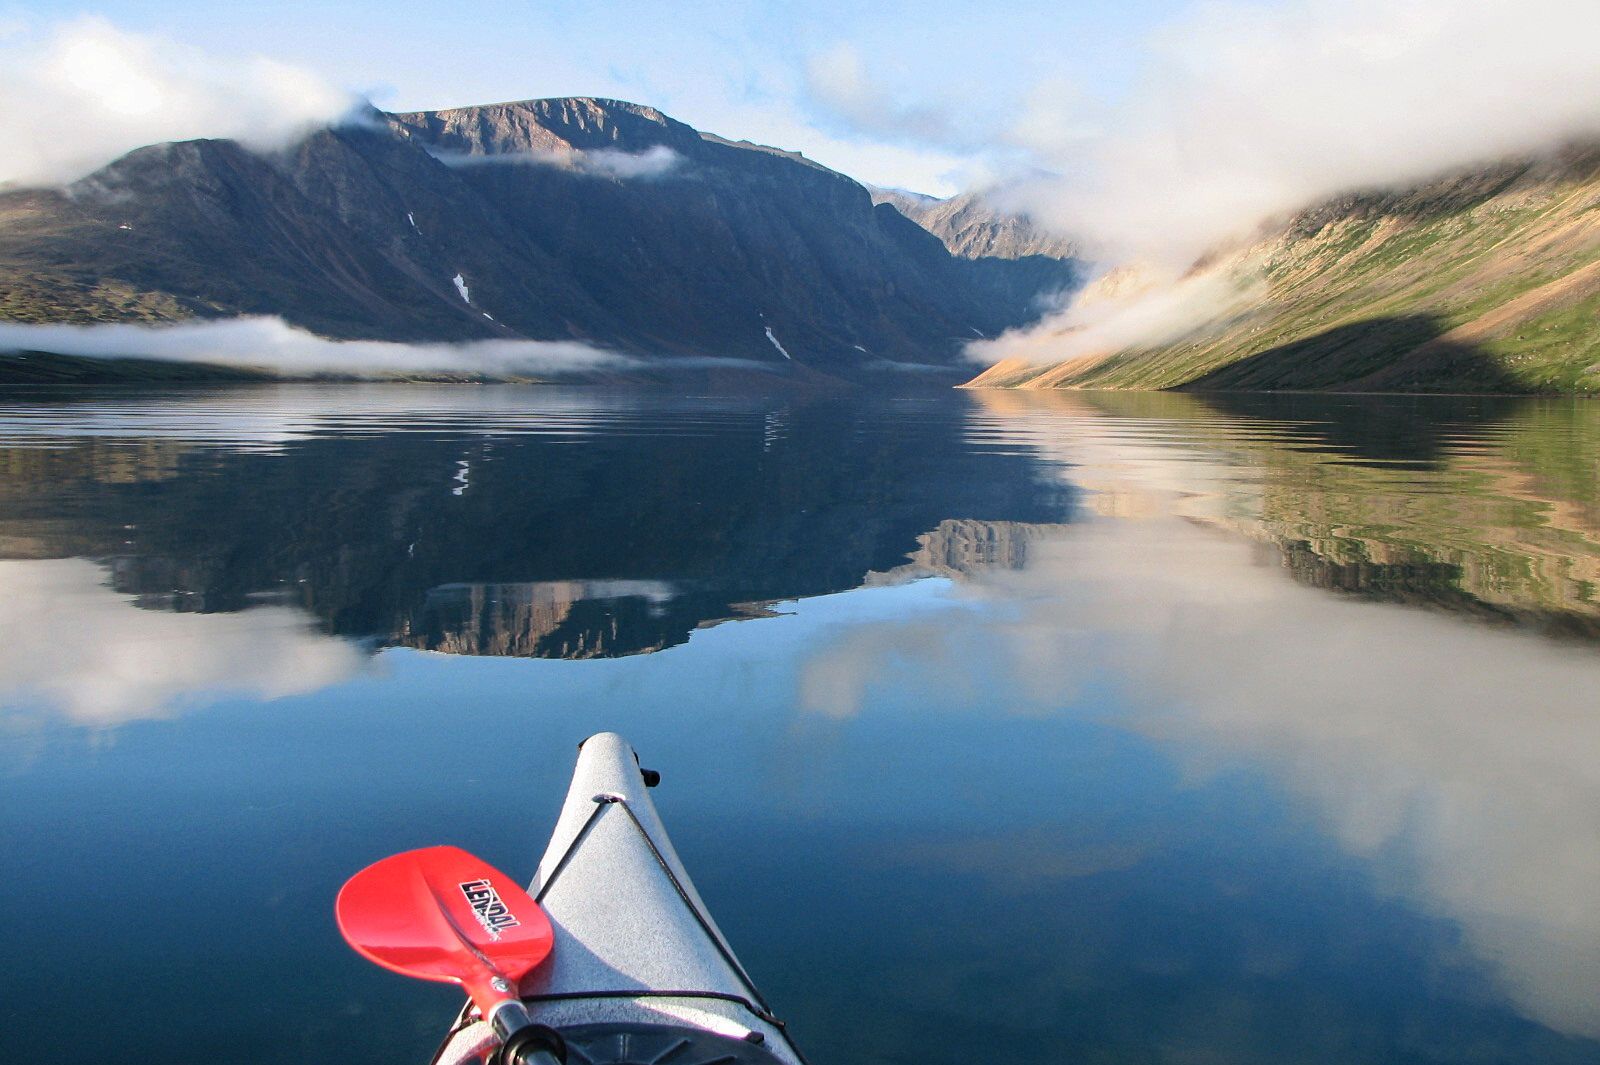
1483 280
567 219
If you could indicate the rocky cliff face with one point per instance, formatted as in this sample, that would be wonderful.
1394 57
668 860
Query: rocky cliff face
592 220
1487 280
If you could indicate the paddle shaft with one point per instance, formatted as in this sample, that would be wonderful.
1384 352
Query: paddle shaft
522 1041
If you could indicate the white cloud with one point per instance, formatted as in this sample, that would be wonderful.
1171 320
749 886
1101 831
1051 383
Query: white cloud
653 162
272 344
75 95
939 171
1247 110
81 651
656 161
837 79
1108 317
1052 120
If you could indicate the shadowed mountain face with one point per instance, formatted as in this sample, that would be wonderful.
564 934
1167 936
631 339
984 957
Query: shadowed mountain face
1363 352
581 219
578 540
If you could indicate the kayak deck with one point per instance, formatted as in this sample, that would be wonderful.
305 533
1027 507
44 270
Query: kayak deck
639 971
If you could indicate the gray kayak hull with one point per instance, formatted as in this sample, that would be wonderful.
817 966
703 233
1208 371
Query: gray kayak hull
638 962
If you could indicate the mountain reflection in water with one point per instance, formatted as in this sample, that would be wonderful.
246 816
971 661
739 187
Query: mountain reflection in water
1238 728
573 539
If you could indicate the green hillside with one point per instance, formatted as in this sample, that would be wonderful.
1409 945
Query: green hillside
1481 282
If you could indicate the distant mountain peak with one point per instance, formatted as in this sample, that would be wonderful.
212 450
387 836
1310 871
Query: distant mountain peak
972 227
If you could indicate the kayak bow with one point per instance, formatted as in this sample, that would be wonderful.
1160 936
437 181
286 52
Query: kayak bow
639 972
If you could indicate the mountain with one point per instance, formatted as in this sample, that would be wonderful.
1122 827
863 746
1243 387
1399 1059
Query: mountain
591 220
1025 265
1484 280
971 227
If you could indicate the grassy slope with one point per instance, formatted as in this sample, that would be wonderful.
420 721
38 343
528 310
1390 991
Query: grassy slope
1489 282
31 291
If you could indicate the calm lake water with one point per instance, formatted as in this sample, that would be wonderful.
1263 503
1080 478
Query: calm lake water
994 727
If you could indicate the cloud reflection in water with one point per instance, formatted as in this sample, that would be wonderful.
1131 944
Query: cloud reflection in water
82 652
1459 760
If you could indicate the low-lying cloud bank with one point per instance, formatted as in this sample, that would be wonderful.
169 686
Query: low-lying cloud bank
274 345
75 95
656 161
1144 310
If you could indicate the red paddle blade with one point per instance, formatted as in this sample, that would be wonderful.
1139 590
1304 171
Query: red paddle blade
441 914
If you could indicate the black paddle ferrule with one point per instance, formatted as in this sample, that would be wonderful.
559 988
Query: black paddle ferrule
526 1045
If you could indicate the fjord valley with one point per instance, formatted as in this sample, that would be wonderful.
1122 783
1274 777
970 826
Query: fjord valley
1082 519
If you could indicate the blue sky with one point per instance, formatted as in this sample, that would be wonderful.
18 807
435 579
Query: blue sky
739 69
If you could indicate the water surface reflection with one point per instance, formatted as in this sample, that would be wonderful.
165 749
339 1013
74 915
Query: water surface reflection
999 727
